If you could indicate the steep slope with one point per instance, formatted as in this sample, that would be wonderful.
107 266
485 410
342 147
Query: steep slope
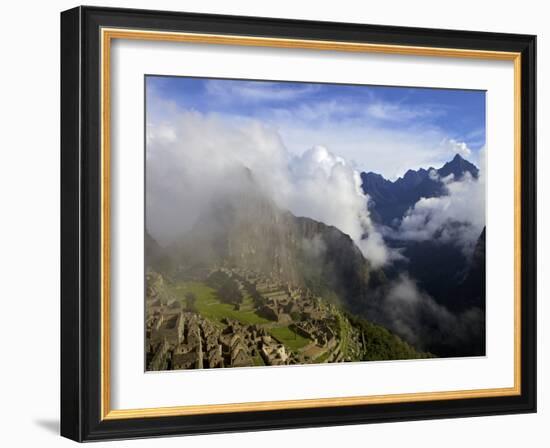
471 290
153 251
248 230
458 167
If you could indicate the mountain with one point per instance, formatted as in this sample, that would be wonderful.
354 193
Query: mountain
390 200
153 251
438 267
458 167
246 229
471 290
444 271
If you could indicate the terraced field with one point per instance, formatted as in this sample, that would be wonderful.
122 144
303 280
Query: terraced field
209 306
290 339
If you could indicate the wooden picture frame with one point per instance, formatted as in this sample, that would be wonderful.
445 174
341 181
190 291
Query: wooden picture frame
86 35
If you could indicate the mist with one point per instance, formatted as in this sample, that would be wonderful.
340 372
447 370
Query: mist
414 315
457 217
190 157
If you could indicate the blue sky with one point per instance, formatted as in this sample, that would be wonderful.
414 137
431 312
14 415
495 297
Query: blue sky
375 128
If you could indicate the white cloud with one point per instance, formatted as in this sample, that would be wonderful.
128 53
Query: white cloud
396 112
375 135
458 217
390 152
257 92
189 157
386 138
455 147
325 188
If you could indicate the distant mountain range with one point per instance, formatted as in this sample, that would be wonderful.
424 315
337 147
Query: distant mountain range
453 279
390 200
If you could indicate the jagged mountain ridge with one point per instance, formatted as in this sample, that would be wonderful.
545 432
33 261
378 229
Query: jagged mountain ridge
390 200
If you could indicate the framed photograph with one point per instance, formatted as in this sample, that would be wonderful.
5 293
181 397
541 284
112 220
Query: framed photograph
273 223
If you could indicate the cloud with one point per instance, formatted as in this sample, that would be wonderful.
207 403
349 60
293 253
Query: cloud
396 112
362 111
414 315
325 188
382 137
189 156
387 137
390 152
458 217
476 137
379 129
456 147
257 92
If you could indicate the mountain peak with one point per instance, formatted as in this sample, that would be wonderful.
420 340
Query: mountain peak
458 167
458 158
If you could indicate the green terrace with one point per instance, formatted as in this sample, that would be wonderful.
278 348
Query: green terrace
289 338
209 306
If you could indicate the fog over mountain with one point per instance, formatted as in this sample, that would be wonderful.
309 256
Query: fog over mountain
186 171
231 190
250 231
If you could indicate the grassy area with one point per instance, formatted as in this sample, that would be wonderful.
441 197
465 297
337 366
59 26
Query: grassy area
290 339
322 358
381 344
258 360
344 334
209 306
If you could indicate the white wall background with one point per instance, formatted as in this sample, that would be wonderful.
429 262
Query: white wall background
29 224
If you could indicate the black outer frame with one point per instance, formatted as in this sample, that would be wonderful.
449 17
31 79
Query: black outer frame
80 223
